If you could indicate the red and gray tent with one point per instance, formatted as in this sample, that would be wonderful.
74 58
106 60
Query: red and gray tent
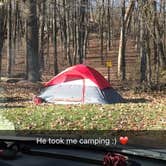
79 84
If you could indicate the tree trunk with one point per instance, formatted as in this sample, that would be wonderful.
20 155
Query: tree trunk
67 19
15 27
109 25
41 51
48 39
121 56
142 50
55 32
3 22
125 23
161 47
9 40
75 28
148 58
156 55
82 30
32 41
85 29
101 33
66 31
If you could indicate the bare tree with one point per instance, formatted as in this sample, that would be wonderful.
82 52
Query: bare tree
101 19
142 47
150 30
156 52
82 31
3 22
9 39
42 34
55 32
125 22
32 40
109 19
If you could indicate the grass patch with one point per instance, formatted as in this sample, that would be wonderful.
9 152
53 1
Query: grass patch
144 111
128 116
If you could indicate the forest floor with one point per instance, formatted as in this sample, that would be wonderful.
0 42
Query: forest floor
142 111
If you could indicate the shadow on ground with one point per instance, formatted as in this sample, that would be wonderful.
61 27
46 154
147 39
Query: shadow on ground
12 99
139 100
11 106
8 100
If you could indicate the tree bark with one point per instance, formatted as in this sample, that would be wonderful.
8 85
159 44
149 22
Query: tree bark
3 22
75 30
148 59
41 51
109 24
81 31
160 46
121 56
125 22
156 55
32 41
55 32
142 50
9 40
101 33
68 34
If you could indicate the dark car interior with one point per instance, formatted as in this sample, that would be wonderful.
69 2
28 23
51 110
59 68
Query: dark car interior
28 153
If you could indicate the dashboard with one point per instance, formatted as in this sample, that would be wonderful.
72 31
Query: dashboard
52 156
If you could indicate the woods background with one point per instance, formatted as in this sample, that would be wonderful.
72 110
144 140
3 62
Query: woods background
38 39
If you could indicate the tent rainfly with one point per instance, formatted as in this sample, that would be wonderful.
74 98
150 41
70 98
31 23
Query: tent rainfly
78 84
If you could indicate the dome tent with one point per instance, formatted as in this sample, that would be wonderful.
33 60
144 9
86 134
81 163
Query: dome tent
79 84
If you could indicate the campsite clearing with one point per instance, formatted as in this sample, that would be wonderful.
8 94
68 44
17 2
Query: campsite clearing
142 111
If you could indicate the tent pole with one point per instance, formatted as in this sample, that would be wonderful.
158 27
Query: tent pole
83 92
